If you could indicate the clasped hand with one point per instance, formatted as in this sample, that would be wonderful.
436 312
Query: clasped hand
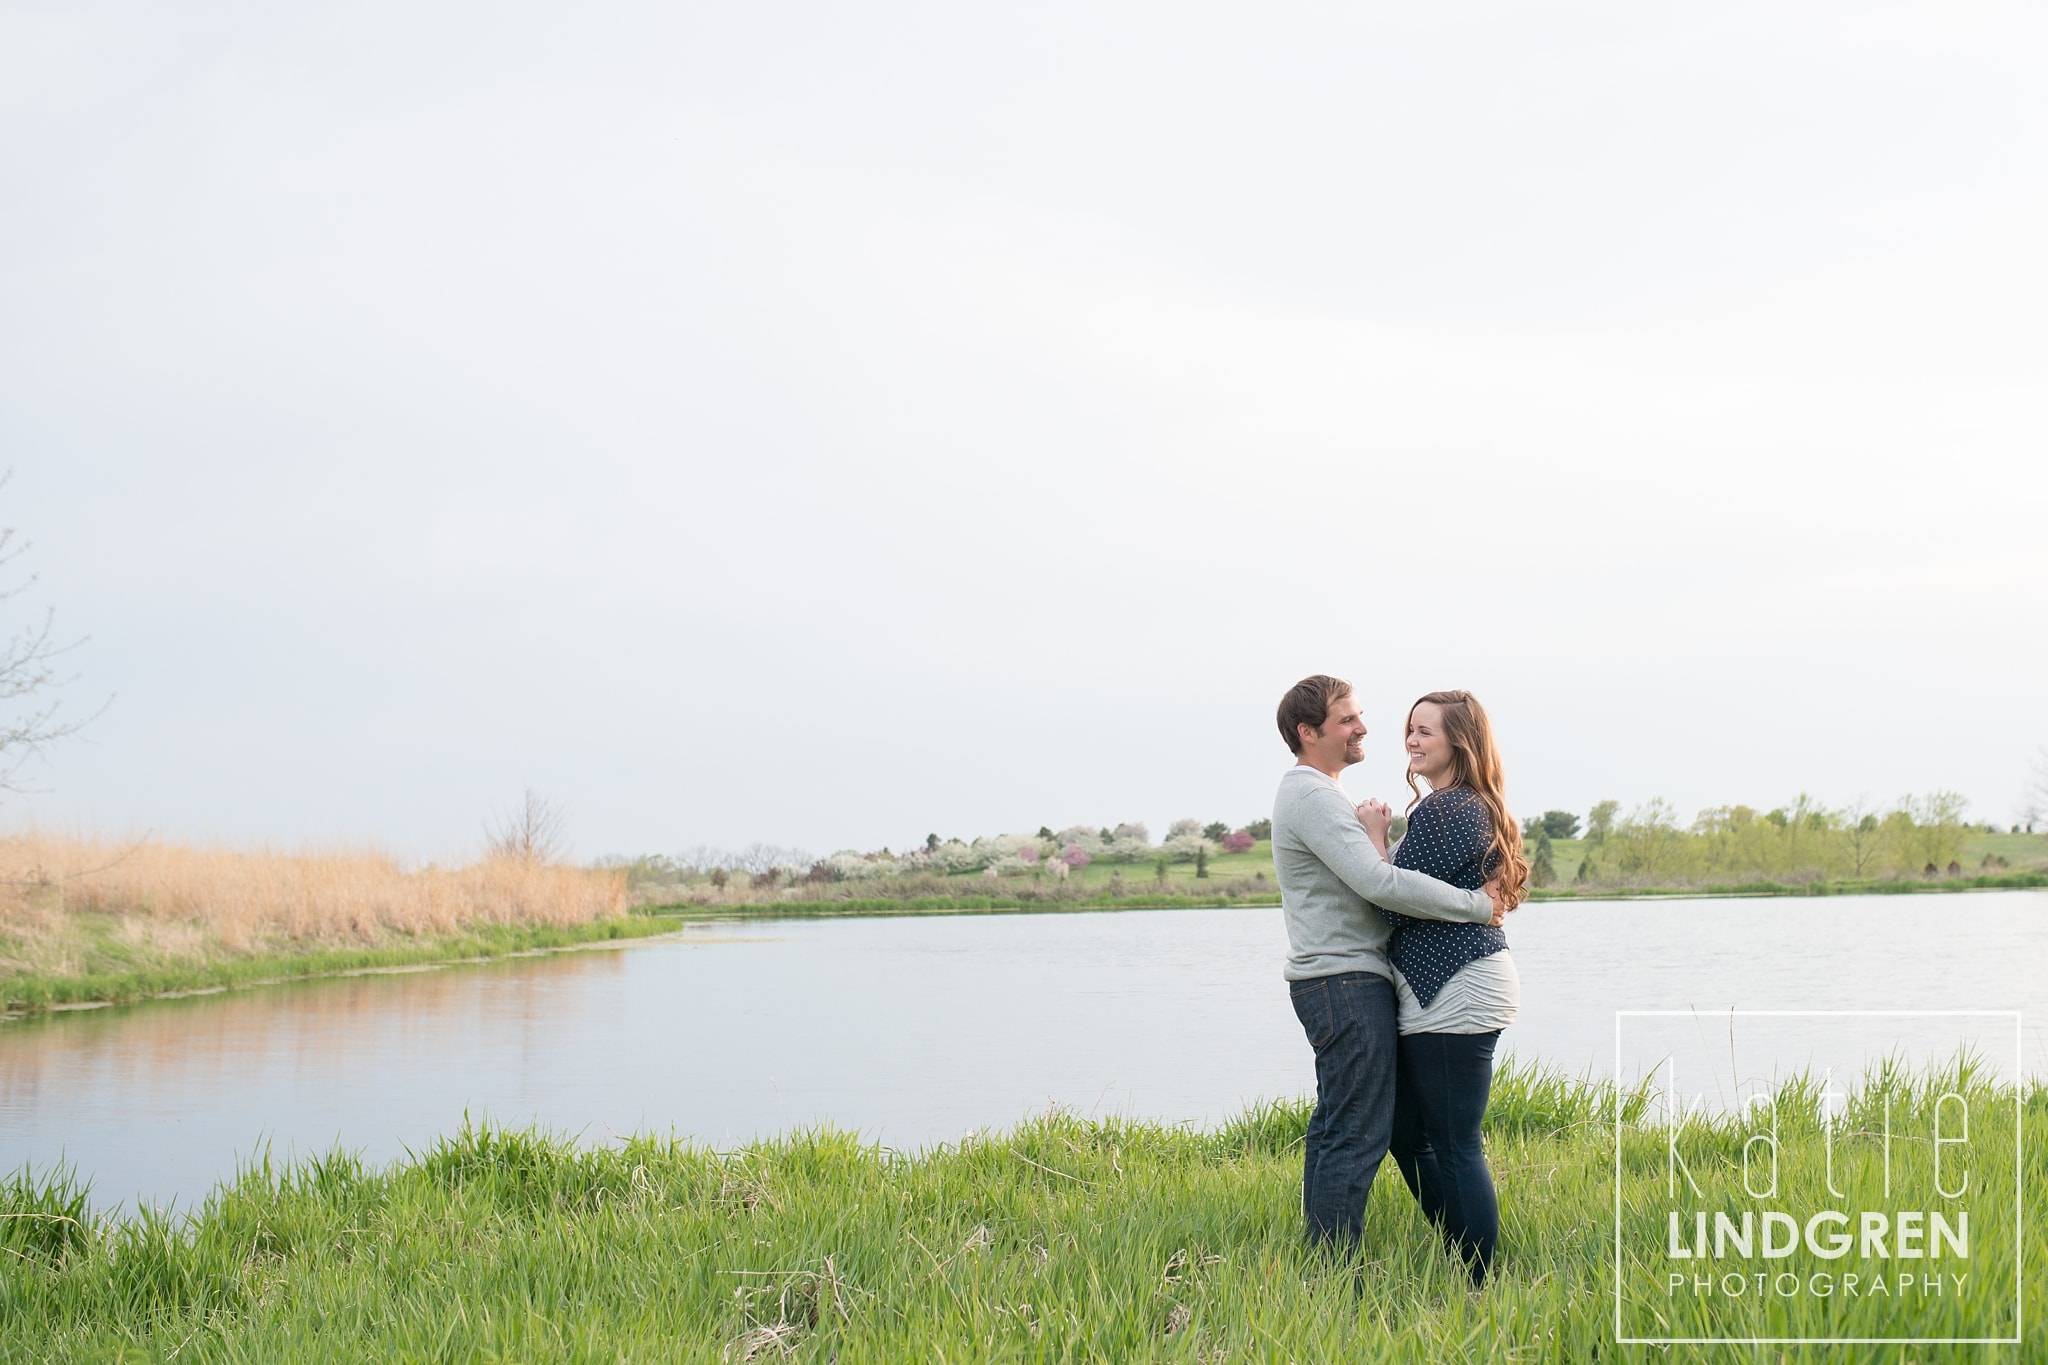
1378 818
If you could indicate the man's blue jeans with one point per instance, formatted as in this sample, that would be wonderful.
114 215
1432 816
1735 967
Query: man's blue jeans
1350 1022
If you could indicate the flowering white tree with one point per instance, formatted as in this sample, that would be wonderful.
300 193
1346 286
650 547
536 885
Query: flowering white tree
1128 843
1089 841
847 865
997 847
955 856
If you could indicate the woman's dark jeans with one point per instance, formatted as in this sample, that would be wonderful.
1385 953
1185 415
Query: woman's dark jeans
1350 1022
1439 1097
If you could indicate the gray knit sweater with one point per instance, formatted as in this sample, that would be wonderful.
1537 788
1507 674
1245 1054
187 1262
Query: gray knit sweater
1330 874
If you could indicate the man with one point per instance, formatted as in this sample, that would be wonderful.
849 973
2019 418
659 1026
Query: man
1332 880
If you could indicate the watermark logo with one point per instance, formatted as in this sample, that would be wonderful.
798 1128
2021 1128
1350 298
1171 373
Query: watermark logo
1871 1193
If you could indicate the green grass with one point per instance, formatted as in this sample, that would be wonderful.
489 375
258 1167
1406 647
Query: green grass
1063 1239
1256 861
2020 850
31 992
2022 853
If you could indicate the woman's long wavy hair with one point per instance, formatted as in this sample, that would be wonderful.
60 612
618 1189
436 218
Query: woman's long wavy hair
1475 766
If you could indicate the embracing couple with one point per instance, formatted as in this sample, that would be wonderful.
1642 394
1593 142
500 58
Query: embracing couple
1396 962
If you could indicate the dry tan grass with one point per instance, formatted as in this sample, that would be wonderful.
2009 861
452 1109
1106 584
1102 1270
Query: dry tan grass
180 900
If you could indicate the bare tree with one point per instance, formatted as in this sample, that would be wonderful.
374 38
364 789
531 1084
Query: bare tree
30 718
763 858
532 832
1865 829
754 858
2034 796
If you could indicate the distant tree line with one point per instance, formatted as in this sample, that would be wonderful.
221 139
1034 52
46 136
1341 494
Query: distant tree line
1649 845
1801 842
1048 853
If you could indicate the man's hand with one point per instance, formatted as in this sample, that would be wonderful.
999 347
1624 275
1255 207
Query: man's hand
1500 905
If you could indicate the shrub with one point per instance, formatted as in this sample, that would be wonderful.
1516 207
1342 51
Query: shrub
1542 869
954 856
1240 842
1128 844
849 866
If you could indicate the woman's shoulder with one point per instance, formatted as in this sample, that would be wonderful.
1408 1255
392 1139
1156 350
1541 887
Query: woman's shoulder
1451 806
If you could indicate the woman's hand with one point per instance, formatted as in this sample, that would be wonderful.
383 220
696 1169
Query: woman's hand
1378 818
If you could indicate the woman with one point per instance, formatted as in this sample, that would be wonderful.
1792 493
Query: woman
1455 984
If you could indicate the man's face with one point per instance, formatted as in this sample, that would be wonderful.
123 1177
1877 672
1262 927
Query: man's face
1341 741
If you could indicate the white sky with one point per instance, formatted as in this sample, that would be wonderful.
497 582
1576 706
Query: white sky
833 424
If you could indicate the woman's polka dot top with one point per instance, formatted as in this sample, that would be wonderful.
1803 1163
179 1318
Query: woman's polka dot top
1450 838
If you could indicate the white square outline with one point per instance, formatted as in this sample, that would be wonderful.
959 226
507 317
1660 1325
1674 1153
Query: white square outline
2019 1184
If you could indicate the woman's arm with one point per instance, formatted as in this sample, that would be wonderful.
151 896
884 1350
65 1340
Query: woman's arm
1326 825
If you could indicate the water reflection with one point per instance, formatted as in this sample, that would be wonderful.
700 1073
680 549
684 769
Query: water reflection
912 1030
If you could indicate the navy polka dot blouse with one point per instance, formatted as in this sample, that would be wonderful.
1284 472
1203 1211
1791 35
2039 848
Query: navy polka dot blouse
1450 837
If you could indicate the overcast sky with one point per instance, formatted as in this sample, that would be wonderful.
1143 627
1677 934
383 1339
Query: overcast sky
832 424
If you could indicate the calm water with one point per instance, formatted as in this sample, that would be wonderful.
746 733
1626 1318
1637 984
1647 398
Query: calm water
914 1030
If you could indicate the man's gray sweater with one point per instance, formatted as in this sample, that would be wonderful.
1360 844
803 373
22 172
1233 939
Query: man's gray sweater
1330 875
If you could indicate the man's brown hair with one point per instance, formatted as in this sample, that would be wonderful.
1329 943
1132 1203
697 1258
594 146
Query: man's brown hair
1308 703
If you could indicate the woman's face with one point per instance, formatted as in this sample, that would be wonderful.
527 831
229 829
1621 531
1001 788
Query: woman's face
1429 752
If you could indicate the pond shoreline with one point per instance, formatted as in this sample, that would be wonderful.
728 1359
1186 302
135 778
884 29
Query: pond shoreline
955 905
30 995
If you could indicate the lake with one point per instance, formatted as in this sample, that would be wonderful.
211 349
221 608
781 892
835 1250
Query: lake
915 1029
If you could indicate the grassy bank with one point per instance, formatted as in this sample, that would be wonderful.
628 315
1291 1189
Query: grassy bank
86 920
1060 1240
30 993
1649 854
